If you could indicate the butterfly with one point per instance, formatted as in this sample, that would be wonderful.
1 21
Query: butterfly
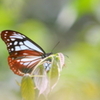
24 54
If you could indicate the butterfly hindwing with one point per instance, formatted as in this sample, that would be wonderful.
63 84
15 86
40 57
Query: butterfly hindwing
24 61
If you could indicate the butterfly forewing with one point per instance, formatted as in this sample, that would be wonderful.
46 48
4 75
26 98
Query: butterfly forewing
24 53
16 41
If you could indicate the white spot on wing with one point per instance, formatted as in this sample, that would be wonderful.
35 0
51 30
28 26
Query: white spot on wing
31 58
24 53
17 36
23 47
12 39
21 62
17 48
6 32
26 63
12 49
8 40
33 62
20 43
32 46
10 43
15 43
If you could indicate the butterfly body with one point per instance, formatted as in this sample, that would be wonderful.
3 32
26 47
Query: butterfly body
24 54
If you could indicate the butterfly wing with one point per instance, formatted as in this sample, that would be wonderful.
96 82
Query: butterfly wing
16 41
24 61
24 53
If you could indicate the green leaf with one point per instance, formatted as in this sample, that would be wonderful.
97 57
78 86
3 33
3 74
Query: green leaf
54 73
27 88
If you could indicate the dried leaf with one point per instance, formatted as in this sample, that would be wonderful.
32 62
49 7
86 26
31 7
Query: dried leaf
61 60
41 82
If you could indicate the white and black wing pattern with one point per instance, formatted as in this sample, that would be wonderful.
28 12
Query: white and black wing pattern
16 41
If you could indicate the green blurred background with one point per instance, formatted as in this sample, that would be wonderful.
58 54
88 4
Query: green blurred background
76 24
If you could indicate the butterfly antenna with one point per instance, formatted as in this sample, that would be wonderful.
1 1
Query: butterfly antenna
55 46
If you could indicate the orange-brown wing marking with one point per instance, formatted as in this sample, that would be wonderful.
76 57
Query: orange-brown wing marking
22 62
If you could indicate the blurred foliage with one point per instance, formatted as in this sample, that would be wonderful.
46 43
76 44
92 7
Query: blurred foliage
76 24
27 88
